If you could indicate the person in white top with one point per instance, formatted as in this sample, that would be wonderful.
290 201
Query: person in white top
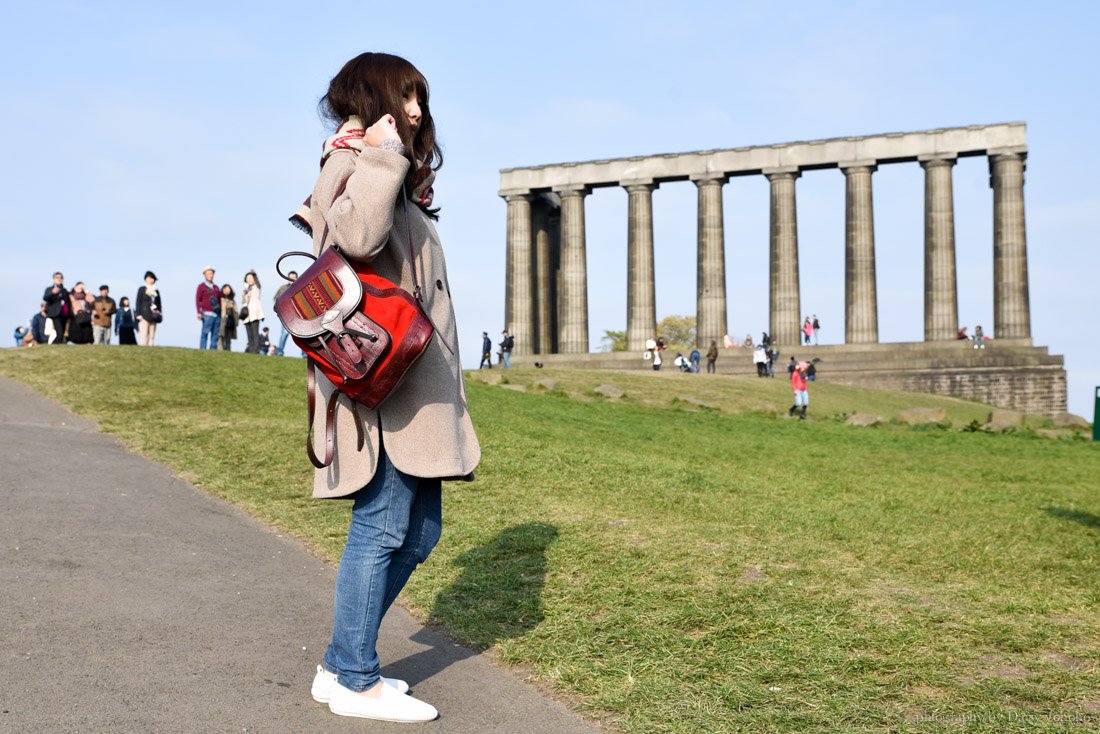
252 311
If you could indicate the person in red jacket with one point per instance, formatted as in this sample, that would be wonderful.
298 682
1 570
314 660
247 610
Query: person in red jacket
801 395
208 304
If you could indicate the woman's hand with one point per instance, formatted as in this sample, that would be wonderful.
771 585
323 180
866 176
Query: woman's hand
384 129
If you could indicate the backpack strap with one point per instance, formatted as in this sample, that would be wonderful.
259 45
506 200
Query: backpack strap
330 413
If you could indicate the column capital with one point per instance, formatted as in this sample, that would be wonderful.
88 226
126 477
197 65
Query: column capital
639 185
568 190
709 178
1015 151
867 163
782 172
934 160
511 196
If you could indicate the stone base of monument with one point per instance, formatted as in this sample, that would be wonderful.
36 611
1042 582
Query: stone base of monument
1009 373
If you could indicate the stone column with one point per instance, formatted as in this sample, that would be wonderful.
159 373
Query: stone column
544 274
785 323
641 303
941 301
573 288
860 296
710 310
518 309
1011 303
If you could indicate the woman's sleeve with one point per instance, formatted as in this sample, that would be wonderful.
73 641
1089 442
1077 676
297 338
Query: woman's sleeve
361 217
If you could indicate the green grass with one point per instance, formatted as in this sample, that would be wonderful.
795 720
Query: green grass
676 569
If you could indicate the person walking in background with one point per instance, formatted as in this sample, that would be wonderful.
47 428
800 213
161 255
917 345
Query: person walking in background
103 308
252 311
58 310
384 162
712 357
125 322
38 325
760 359
801 394
506 345
148 309
817 327
80 328
486 351
208 307
791 367
807 330
284 334
227 331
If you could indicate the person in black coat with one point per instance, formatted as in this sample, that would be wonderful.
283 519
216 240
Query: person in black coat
147 309
486 351
57 307
125 322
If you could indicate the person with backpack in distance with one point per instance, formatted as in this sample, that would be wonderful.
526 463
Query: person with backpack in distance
373 199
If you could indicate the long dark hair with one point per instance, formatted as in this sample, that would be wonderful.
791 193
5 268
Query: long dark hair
375 84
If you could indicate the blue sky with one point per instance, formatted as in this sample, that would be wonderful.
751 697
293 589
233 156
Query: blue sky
169 136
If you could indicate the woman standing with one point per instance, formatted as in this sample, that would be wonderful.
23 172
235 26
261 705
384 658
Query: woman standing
125 322
80 303
373 199
252 311
807 330
227 332
149 312
712 356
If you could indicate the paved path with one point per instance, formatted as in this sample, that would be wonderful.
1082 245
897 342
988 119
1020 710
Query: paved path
130 601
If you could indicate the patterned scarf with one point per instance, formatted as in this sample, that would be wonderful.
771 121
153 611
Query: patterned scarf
349 136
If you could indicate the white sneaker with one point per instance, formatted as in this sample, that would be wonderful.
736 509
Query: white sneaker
324 681
391 705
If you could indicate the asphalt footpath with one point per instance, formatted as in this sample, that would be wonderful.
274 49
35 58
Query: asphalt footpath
130 601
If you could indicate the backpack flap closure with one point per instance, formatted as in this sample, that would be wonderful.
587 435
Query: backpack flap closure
354 346
323 297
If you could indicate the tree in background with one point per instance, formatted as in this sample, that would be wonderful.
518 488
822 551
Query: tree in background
679 333
614 341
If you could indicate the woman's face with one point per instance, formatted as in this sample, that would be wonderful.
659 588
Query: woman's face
226 290
78 288
412 111
124 303
150 280
249 278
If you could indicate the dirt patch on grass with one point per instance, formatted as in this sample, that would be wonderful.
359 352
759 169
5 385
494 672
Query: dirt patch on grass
994 666
751 574
1068 662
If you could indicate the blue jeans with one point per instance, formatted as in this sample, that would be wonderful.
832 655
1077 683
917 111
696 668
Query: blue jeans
801 397
211 324
395 522
507 358
282 342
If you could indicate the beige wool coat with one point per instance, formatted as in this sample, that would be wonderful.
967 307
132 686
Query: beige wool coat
424 424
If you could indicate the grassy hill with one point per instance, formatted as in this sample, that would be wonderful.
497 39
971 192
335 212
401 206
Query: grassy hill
673 568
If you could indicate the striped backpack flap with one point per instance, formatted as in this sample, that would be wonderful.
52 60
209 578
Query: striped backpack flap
321 308
328 290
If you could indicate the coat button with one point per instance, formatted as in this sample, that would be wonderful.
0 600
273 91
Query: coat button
439 285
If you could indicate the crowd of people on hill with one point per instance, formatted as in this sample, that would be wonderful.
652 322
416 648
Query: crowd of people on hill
75 316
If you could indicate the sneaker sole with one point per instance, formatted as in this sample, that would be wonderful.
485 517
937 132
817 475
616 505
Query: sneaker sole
357 715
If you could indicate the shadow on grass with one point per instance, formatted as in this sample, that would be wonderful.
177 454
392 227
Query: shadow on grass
498 596
499 593
1085 518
